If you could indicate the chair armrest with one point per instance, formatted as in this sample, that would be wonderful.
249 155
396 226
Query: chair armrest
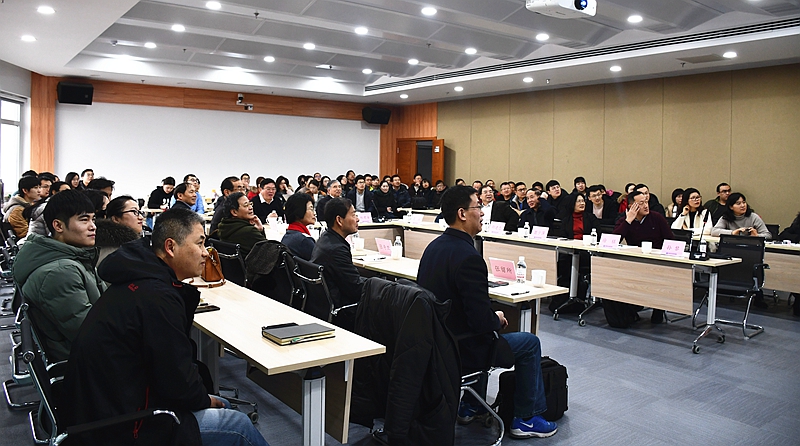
337 310
140 415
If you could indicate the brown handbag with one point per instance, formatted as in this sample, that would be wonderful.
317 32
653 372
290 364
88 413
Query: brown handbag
212 273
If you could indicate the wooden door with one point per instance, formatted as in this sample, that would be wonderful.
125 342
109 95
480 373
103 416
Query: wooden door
406 159
437 164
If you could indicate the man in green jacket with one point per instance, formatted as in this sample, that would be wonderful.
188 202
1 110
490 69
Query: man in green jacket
240 224
57 274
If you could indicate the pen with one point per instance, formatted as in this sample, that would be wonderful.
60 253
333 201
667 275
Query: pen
519 294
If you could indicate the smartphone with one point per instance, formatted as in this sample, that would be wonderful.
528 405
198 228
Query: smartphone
497 283
206 308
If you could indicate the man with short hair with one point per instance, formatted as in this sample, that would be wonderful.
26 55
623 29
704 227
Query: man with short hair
46 179
28 188
57 275
240 226
506 192
453 270
332 251
436 196
519 200
539 211
102 184
134 350
361 198
498 211
86 177
185 196
192 180
603 207
334 191
716 207
401 195
652 199
229 185
266 204
477 185
368 181
556 196
460 182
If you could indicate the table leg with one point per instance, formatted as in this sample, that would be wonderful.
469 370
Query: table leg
525 317
314 407
208 354
573 278
711 316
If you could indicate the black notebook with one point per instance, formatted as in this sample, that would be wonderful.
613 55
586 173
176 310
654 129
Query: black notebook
292 333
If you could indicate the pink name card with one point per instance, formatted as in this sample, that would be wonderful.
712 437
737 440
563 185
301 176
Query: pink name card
415 218
384 246
497 227
610 241
503 269
673 248
539 232
364 217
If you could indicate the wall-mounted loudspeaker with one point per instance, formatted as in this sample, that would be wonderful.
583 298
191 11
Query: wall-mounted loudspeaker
376 115
70 93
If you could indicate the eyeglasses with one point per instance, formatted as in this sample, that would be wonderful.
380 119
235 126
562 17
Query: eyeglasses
472 207
695 198
134 212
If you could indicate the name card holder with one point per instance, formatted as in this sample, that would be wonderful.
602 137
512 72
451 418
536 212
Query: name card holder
497 227
503 269
673 248
384 246
539 232
610 241
364 217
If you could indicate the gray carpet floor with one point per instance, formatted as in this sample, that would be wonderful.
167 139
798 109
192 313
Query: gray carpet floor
639 386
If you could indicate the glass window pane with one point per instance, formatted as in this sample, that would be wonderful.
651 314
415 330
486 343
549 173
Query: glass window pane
9 156
10 110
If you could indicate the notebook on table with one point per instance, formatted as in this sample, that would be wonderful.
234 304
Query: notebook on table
292 333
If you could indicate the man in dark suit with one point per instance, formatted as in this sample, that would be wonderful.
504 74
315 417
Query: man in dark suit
497 210
539 211
452 269
602 206
361 197
332 251
266 204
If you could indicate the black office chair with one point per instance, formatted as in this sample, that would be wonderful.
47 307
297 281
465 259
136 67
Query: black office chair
318 301
47 383
274 279
19 372
683 235
232 261
774 230
745 279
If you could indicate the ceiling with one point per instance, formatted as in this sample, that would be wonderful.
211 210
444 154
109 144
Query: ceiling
225 49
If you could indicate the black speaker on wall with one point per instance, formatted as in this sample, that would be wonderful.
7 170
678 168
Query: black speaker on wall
72 93
376 115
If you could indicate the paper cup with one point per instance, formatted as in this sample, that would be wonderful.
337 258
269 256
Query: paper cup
358 243
397 252
587 240
538 277
522 232
647 247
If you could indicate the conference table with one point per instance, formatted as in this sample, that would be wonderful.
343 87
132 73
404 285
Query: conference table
314 378
517 296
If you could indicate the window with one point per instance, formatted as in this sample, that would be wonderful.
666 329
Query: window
10 148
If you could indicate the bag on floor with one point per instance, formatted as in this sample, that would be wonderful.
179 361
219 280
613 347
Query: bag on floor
620 314
554 376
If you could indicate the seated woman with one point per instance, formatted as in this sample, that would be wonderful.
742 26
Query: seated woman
123 223
284 188
674 209
240 224
693 217
299 214
384 201
576 222
623 199
739 219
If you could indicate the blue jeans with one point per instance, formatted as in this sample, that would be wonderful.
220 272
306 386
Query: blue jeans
529 398
227 427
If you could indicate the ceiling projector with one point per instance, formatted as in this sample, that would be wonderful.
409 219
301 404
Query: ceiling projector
563 9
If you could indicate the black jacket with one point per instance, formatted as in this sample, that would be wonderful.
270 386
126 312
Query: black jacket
157 198
262 209
383 201
369 205
134 351
610 210
502 211
792 233
542 216
589 222
345 284
320 207
415 385
452 269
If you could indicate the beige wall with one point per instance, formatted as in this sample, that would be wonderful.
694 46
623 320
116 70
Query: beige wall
740 127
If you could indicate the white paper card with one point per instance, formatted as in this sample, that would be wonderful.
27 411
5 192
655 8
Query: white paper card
496 227
539 232
384 246
673 248
364 217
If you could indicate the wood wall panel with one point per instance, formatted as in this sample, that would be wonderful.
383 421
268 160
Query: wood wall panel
490 138
43 123
455 121
531 136
579 120
411 121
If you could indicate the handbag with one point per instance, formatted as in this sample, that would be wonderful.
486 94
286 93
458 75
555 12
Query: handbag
212 272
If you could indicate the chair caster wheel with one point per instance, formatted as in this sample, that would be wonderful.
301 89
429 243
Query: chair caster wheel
488 422
581 323
721 339
555 316
695 349
253 417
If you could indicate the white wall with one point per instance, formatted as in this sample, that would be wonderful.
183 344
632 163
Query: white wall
14 79
137 146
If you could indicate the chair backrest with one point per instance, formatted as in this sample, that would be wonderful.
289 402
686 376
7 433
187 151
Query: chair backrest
774 230
605 229
748 274
232 261
40 377
683 235
280 284
318 296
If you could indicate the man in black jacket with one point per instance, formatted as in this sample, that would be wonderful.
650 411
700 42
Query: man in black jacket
602 206
498 211
266 203
361 197
452 269
539 211
133 350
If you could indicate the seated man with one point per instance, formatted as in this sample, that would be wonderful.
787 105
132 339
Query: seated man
266 204
362 198
299 214
401 195
134 351
652 199
499 211
229 185
539 211
717 206
103 185
520 201
556 196
453 270
241 225
334 191
603 207
185 196
333 252
12 212
57 274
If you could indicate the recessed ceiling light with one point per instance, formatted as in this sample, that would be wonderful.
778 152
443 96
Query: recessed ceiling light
361 30
28 38
413 61
527 80
366 71
269 59
459 88
213 5
428 11
45 10
309 46
542 37
150 45
729 54
470 51
635 18
616 68
178 28
403 96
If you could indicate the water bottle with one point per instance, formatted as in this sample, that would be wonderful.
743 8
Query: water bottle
522 270
594 236
527 229
703 248
397 248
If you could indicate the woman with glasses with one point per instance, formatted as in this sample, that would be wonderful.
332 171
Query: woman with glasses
240 225
123 223
693 216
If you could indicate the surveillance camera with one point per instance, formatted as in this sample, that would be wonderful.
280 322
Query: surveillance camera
241 99
248 107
